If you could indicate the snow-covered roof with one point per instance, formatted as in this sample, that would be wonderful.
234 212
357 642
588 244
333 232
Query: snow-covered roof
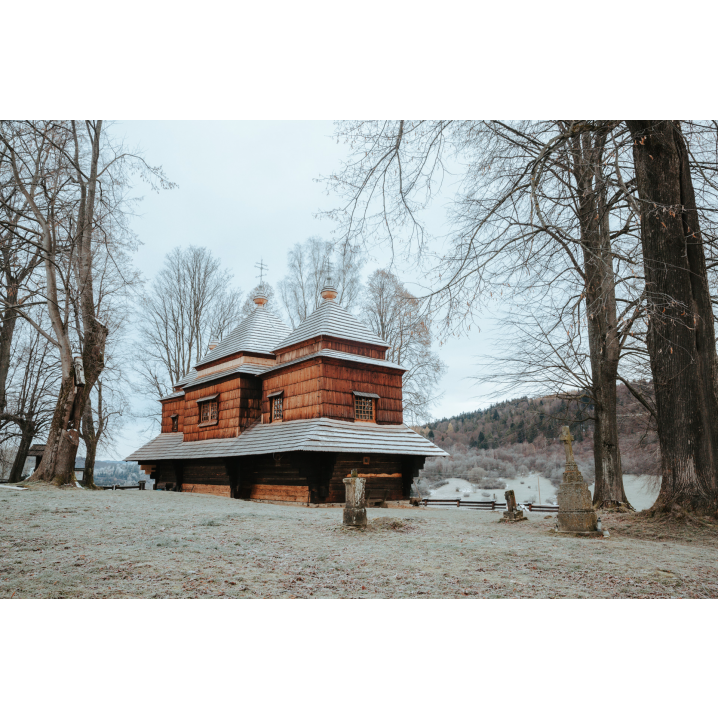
259 332
332 320
300 435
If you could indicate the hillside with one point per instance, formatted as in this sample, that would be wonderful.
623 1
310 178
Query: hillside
521 435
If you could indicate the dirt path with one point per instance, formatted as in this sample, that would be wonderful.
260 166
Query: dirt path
80 544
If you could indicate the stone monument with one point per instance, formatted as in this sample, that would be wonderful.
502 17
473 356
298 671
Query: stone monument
512 512
575 508
355 508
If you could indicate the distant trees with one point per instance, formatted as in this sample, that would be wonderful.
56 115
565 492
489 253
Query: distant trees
310 264
187 304
399 318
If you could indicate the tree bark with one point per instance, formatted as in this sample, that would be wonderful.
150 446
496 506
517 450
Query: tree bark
28 434
681 337
601 314
7 331
90 437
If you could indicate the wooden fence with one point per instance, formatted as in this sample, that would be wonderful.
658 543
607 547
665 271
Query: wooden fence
485 505
116 487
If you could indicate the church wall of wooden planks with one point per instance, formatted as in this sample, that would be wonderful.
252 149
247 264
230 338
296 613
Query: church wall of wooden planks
271 414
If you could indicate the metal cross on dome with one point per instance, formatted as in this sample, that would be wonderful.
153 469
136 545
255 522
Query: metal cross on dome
262 267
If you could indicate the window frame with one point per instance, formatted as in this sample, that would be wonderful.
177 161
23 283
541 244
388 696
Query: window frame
371 402
208 405
272 398
274 402
174 429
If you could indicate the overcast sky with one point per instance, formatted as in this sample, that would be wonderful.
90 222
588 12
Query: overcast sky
248 191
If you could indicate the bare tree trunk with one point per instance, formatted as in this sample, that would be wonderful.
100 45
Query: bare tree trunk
9 319
602 320
90 437
28 434
681 337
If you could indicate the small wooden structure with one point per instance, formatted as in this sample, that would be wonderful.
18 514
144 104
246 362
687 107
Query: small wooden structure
37 450
271 414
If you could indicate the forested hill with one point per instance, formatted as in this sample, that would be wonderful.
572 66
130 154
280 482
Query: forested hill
539 420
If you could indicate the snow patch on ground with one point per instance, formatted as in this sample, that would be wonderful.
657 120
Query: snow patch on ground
535 488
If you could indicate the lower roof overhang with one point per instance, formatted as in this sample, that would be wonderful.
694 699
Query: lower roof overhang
330 435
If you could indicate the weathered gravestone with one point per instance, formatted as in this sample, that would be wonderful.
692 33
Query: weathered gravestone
355 508
512 512
575 508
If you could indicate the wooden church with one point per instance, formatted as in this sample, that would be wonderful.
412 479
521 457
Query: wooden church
277 415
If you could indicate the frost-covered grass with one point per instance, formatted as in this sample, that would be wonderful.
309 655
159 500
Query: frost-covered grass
72 543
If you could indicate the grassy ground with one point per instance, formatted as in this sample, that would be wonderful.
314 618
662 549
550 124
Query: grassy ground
70 543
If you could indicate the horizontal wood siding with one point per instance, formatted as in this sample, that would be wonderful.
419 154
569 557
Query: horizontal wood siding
239 406
382 472
268 470
294 476
173 406
205 471
273 492
206 489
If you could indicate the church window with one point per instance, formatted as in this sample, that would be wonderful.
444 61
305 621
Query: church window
208 410
175 422
277 408
363 408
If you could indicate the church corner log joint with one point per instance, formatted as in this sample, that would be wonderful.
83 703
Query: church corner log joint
271 414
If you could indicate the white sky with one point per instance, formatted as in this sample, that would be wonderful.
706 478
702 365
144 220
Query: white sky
247 191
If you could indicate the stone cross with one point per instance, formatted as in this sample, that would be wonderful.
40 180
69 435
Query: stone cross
567 439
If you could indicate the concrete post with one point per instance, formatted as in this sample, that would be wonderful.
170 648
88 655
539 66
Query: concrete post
355 508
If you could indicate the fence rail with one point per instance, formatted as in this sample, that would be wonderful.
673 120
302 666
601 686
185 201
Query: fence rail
117 487
459 503
486 505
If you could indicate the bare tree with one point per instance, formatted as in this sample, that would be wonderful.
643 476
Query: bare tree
33 379
681 334
534 205
189 303
73 178
398 317
310 264
266 290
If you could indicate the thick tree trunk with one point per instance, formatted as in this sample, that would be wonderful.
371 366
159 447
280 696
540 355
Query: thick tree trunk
58 461
28 434
88 475
681 338
601 315
90 438
7 331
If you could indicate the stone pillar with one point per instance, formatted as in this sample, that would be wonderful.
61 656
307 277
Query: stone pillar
355 509
512 512
575 507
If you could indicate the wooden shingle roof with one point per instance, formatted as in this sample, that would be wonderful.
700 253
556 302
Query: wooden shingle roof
300 435
334 354
259 332
331 320
240 369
